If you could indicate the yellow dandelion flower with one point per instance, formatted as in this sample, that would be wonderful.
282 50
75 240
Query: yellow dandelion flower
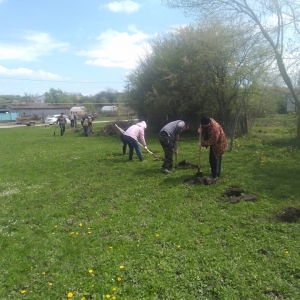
91 271
89 228
72 232
23 292
121 267
70 295
114 289
178 246
107 296
43 273
50 283
119 278
80 224
89 232
114 297
157 235
76 232
110 247
286 252
55 226
83 298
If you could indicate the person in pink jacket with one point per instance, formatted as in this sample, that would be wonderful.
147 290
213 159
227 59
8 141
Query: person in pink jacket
132 135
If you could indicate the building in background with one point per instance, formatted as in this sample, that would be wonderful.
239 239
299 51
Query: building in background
7 116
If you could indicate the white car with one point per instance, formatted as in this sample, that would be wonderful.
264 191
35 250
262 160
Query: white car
51 120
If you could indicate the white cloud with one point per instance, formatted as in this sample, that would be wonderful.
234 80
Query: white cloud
32 45
126 6
29 74
117 49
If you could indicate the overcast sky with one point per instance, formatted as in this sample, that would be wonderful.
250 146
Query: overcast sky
78 46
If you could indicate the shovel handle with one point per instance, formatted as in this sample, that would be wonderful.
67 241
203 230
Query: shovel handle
199 150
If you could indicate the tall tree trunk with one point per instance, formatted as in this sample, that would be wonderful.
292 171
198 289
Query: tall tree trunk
236 118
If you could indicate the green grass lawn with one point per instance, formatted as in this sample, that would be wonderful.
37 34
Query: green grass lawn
79 221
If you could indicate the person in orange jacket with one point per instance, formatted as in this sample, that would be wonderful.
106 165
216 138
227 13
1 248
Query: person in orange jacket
215 138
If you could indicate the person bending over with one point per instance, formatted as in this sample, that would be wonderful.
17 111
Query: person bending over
168 137
132 135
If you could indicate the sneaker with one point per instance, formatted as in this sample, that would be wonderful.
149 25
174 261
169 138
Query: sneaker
166 171
216 177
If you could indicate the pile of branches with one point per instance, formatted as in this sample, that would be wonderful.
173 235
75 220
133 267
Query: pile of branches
111 129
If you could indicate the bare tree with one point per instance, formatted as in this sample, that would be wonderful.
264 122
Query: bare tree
277 21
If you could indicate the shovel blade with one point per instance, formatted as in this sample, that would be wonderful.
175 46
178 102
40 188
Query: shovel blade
199 173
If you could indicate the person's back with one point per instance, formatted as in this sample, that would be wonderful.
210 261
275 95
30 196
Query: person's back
173 128
137 132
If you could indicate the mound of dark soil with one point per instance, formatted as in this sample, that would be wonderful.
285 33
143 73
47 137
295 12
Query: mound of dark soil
236 194
235 199
233 191
186 165
290 215
201 180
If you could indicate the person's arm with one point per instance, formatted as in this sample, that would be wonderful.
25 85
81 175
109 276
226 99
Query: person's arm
142 137
200 129
213 137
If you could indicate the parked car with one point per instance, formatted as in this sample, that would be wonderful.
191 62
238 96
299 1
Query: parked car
51 120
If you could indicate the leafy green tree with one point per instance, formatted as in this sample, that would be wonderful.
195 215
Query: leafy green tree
108 96
275 21
56 96
195 70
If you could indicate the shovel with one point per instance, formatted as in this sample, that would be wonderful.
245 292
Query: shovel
176 165
54 129
199 174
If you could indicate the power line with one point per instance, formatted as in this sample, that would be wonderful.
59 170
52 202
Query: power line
65 81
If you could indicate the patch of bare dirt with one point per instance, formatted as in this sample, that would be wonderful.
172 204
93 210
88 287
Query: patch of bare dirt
235 194
207 180
289 215
186 165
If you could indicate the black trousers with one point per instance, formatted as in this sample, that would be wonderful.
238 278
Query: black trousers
124 144
215 163
168 147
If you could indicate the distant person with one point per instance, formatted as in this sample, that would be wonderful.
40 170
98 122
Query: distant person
72 118
215 138
132 135
90 123
75 119
86 122
168 137
62 121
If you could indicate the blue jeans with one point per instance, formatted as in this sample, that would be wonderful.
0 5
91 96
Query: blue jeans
62 129
133 144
